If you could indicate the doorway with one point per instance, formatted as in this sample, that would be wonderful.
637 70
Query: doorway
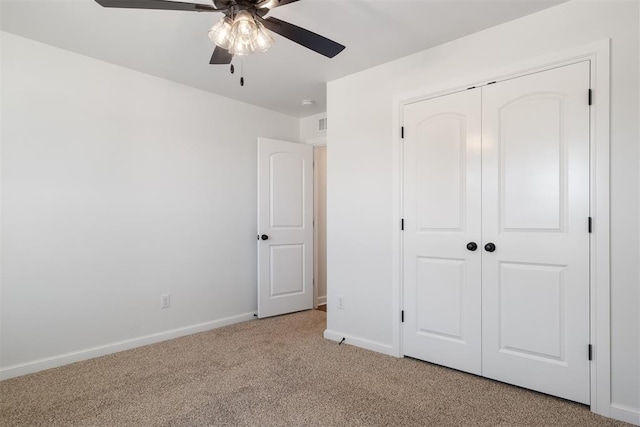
496 237
291 239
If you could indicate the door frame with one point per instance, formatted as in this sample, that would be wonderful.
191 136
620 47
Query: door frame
316 233
320 141
598 53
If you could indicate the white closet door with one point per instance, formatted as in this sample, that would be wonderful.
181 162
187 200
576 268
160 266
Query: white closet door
441 216
535 209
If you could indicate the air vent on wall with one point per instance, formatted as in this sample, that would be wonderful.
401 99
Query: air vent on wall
322 124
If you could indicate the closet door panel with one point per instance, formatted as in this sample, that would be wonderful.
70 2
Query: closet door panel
531 163
535 198
441 210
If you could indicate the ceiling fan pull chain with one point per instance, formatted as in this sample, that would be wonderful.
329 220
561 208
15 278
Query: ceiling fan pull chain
232 69
241 71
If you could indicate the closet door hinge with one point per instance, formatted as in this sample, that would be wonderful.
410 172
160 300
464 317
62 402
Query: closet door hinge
402 316
402 224
590 225
590 351
402 132
590 96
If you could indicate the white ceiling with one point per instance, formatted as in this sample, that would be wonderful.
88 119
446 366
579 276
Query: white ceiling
173 45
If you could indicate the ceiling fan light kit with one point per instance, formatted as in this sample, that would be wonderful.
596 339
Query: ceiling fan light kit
241 35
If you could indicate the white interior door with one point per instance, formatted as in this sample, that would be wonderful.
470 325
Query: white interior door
535 209
285 227
441 156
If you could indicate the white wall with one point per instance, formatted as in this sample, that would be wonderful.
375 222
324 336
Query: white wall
361 183
118 187
309 132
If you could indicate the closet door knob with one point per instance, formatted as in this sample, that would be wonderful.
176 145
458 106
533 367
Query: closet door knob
264 237
472 246
489 247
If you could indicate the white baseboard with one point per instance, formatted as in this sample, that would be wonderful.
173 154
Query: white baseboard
625 413
322 300
360 342
103 350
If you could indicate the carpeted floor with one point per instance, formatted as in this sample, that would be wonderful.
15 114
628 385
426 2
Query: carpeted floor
277 371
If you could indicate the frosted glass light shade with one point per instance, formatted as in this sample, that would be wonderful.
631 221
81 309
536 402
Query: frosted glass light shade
263 39
220 32
243 35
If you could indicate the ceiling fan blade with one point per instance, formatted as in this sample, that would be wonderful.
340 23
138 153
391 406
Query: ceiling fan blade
303 37
221 56
283 2
158 4
271 4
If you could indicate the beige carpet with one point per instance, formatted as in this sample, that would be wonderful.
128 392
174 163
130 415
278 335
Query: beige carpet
278 371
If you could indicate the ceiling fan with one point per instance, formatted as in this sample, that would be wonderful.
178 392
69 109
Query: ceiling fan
241 30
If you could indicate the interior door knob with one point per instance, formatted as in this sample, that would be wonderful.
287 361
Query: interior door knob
264 237
489 247
472 246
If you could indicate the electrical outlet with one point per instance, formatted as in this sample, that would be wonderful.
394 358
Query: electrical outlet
165 301
341 302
